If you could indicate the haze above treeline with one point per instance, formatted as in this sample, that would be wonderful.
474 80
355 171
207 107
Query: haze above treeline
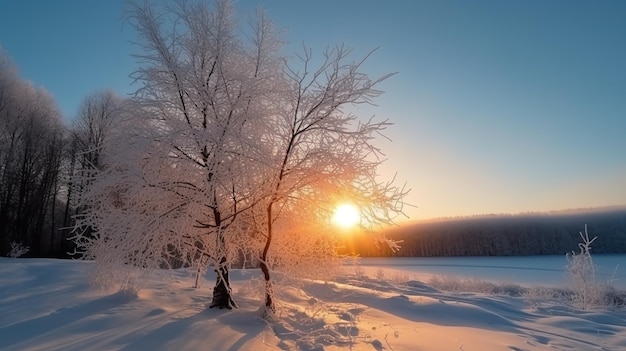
525 234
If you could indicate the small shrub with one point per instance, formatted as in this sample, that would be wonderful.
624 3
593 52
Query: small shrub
545 293
399 278
380 274
17 250
359 272
615 297
581 273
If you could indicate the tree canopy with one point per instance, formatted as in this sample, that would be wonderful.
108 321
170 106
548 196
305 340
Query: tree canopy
229 150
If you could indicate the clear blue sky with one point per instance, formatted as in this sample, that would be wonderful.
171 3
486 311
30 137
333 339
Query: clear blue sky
499 106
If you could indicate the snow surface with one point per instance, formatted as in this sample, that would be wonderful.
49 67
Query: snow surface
48 305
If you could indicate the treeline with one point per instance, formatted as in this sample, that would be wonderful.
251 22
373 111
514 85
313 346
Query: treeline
504 235
40 158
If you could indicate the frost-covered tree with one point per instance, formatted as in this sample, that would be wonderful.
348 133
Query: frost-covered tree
31 144
194 166
321 151
228 152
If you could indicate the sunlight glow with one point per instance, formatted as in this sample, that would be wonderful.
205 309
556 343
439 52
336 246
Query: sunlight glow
346 215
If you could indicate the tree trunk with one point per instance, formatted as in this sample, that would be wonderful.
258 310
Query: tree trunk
269 303
222 294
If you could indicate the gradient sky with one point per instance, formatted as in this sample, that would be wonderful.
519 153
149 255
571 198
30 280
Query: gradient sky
499 106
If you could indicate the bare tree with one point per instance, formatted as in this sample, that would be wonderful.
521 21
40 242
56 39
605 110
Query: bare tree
96 118
95 122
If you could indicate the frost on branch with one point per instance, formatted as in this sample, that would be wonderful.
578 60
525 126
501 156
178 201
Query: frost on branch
147 212
188 162
229 152
321 154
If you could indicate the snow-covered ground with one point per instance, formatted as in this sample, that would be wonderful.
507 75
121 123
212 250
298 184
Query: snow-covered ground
48 305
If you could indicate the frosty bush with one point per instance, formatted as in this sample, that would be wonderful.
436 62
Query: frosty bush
581 274
17 250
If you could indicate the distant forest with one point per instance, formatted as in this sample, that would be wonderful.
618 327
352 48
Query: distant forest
503 235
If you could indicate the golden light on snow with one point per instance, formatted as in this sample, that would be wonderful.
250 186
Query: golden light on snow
346 216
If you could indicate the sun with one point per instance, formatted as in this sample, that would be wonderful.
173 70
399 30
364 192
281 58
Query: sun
346 216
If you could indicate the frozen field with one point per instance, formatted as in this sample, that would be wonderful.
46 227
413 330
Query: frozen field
48 305
526 270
